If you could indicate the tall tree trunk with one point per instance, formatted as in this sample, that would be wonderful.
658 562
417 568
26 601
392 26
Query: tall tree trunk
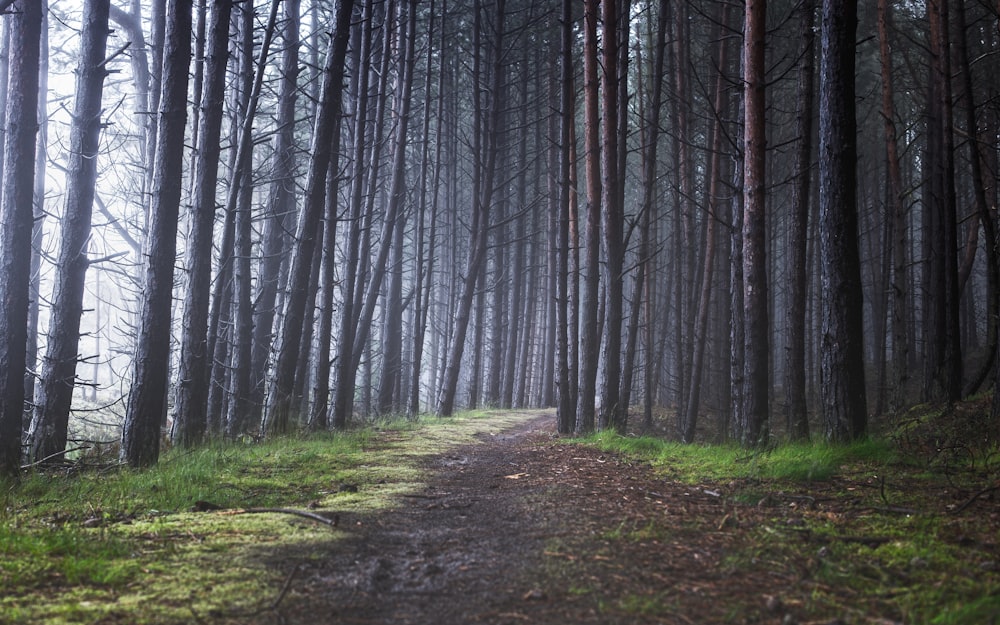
279 207
983 209
796 409
38 228
239 200
614 414
566 411
650 115
701 325
281 396
50 424
589 298
898 211
191 409
842 373
147 402
21 124
346 374
757 384
485 154
426 236
391 218
943 366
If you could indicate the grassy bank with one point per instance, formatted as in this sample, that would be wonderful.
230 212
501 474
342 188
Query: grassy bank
901 526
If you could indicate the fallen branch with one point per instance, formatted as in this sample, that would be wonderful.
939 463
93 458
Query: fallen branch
305 514
973 499
25 467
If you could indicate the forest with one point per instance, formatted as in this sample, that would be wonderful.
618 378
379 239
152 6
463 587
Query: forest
752 221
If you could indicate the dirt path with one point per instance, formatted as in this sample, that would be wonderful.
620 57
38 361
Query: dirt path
521 529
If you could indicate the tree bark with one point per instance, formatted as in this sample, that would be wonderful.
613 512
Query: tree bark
567 390
614 414
589 298
755 299
485 151
280 206
239 200
281 396
16 216
191 409
38 228
842 374
147 402
50 424
796 408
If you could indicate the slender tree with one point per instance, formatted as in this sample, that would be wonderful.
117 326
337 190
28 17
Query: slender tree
38 229
753 428
278 415
842 374
16 216
796 413
279 207
589 333
566 412
191 410
613 17
487 109
238 200
50 423
147 402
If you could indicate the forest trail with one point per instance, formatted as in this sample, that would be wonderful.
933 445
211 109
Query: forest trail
523 528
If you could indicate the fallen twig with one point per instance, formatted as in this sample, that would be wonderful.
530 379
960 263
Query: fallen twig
305 514
25 467
976 496
284 588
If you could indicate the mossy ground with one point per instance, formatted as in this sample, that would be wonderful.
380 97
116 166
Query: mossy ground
902 528
111 545
898 529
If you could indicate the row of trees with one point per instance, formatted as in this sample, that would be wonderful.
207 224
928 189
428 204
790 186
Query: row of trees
291 214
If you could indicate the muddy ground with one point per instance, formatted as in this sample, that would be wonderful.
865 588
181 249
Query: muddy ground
524 528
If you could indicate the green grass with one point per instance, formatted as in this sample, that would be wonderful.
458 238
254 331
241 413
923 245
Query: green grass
796 462
117 545
864 529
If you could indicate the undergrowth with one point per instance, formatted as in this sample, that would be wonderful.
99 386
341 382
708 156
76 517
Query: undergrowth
896 529
797 462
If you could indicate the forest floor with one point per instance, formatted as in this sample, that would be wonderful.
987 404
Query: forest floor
496 520
523 528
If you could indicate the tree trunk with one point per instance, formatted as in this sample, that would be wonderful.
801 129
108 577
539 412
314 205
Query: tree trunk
983 209
21 125
566 411
147 402
842 374
485 154
191 410
392 361
281 396
239 200
898 212
701 325
426 236
796 410
280 205
55 393
346 374
589 298
755 299
614 414
38 228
